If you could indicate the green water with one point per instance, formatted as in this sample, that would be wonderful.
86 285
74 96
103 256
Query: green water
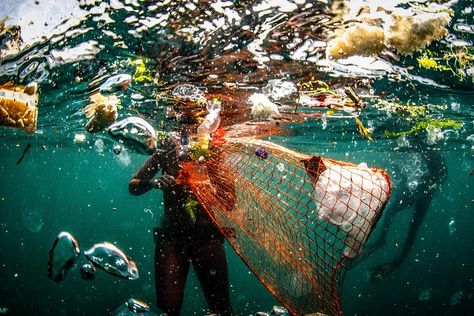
63 185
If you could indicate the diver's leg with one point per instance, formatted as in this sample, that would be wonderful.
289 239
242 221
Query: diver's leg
210 264
421 208
171 271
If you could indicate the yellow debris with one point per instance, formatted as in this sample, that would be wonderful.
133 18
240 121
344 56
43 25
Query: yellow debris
365 132
18 106
102 112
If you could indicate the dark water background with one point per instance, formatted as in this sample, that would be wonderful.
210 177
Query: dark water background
61 185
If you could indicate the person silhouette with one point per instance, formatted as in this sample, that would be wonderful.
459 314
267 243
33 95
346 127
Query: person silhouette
187 236
416 189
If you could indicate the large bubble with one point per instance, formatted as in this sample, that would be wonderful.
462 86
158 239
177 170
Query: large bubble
32 220
111 259
133 307
62 256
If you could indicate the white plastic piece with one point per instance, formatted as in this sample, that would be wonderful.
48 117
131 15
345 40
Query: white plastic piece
349 198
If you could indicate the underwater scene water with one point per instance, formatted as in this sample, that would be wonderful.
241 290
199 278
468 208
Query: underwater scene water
385 83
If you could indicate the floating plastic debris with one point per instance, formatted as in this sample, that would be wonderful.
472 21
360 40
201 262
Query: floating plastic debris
425 295
188 92
134 307
32 220
456 298
136 129
99 145
88 272
116 83
111 259
277 89
452 226
62 256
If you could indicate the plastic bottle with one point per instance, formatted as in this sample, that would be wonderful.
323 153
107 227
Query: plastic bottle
210 124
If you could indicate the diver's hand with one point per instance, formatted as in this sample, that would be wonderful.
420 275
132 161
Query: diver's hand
166 181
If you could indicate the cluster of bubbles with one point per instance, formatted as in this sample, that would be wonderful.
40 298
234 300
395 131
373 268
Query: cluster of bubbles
413 171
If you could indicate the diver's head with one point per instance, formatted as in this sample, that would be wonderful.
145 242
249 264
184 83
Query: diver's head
188 105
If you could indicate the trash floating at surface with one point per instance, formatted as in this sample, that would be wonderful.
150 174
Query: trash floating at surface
18 106
62 256
403 32
111 259
116 83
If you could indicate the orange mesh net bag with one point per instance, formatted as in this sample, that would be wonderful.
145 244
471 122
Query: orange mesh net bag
295 220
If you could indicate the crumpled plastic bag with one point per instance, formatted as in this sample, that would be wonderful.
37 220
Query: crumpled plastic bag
350 197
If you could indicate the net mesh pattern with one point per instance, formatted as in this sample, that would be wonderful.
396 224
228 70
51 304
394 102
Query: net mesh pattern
295 220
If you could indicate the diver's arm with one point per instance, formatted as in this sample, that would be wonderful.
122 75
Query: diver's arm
143 180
